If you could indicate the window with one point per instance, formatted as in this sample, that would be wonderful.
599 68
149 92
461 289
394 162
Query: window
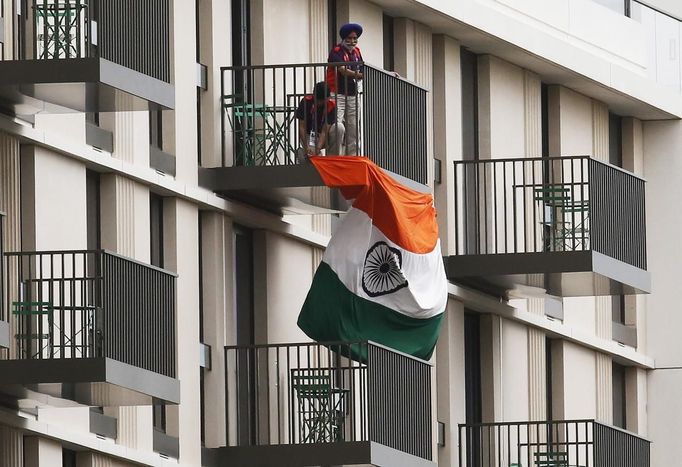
548 378
241 36
68 458
159 416
619 397
156 229
389 52
331 23
93 210
544 119
155 129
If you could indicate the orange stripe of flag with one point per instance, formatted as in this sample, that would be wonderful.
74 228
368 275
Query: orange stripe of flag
407 217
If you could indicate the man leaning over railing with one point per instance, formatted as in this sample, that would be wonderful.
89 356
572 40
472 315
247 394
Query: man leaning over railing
343 83
316 114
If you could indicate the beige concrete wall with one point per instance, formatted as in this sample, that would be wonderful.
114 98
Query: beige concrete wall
289 275
273 23
577 382
46 223
41 452
664 409
501 108
370 16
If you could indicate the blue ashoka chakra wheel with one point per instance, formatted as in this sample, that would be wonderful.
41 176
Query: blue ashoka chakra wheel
382 273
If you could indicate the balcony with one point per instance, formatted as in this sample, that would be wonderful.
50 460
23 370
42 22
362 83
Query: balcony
570 226
260 134
88 327
554 443
310 404
89 56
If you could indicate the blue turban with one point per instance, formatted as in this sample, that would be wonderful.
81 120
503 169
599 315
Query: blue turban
347 28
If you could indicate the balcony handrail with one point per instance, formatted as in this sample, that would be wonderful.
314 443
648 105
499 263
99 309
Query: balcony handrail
552 158
327 344
320 64
551 422
569 442
96 251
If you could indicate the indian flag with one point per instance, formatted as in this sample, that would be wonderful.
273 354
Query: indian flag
382 276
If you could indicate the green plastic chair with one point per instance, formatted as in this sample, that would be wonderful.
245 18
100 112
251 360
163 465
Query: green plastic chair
320 414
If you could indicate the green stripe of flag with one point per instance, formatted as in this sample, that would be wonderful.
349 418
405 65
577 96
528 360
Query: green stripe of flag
331 312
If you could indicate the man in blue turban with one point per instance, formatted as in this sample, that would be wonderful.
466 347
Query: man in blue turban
342 79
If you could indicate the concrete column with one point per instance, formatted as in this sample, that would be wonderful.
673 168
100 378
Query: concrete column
604 388
11 447
537 375
636 400
10 191
180 255
447 132
319 32
10 204
451 404
217 274
41 452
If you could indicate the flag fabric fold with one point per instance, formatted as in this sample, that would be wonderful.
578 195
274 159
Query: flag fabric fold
382 277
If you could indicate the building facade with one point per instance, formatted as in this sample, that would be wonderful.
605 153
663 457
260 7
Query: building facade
159 236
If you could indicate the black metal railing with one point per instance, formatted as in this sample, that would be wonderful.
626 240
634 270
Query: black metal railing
552 443
314 393
532 205
131 33
84 304
386 121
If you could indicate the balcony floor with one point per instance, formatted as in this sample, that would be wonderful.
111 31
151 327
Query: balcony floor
283 189
87 381
564 273
342 453
28 87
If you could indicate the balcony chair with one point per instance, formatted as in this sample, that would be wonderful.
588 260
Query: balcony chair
28 313
260 135
321 405
564 220
551 459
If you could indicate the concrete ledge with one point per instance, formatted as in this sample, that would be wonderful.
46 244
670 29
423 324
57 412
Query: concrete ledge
299 455
89 381
563 273
79 84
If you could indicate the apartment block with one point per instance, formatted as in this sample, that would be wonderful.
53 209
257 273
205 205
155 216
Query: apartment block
159 233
